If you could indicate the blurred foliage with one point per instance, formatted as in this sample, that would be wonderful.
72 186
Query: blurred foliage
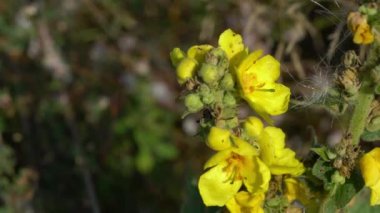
88 113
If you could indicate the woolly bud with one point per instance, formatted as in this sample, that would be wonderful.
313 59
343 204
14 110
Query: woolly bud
338 178
186 69
193 103
209 74
176 56
229 100
227 82
208 97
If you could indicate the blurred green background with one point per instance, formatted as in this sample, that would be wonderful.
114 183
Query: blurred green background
90 115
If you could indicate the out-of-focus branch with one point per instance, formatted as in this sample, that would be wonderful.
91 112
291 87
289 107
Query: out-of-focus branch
60 71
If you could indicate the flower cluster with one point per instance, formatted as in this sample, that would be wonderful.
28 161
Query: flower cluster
247 154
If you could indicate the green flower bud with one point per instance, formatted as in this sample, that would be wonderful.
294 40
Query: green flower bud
186 69
375 74
209 74
331 154
374 124
193 103
227 82
218 57
350 81
229 100
338 178
232 123
207 95
176 56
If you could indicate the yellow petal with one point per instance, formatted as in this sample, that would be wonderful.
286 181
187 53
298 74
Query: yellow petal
256 175
217 158
370 167
375 194
246 202
198 52
231 43
247 62
218 139
297 190
176 56
253 126
216 187
242 147
279 159
363 34
291 189
270 102
263 70
186 69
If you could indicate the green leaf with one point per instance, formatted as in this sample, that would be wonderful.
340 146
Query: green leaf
343 194
323 171
370 136
360 203
321 151
328 206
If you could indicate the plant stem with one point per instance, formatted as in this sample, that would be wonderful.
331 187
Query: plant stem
361 110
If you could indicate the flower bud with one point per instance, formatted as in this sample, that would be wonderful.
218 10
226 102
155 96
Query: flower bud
331 154
338 178
209 74
207 96
227 82
232 123
193 103
218 139
216 56
375 74
229 100
373 120
350 81
176 56
359 26
186 69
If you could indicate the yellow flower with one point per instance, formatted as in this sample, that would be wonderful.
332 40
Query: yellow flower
256 76
296 190
273 153
244 202
359 26
370 168
229 169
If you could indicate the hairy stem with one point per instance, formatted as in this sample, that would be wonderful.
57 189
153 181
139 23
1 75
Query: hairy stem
361 110
365 97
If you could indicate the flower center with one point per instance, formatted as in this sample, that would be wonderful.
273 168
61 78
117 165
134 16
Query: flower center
233 169
250 84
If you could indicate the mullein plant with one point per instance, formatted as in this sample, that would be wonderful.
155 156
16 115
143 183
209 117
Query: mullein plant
251 169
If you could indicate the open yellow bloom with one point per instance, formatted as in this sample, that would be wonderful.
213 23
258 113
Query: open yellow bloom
256 76
370 168
229 169
245 202
296 190
359 26
273 153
